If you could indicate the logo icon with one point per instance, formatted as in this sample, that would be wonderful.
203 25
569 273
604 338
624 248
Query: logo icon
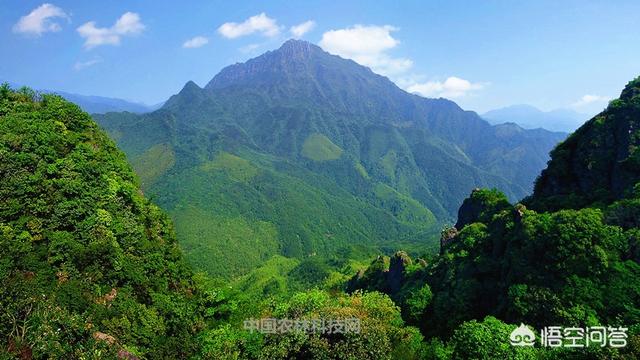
522 336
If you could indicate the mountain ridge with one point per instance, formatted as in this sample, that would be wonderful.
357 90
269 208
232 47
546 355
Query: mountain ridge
567 254
414 110
601 170
94 104
300 128
530 117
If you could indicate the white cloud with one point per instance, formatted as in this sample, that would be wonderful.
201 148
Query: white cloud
385 64
260 23
128 24
39 20
370 46
85 64
299 30
358 40
452 87
249 48
590 99
196 42
367 45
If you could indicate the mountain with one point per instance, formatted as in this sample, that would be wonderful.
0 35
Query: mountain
566 255
100 104
597 164
529 117
89 266
301 153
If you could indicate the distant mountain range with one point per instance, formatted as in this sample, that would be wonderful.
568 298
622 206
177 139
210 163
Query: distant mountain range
529 117
301 153
569 249
100 104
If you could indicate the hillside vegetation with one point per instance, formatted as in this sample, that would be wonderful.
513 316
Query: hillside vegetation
318 156
89 267
565 256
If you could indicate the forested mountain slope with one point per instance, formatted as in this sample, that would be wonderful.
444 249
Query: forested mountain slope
89 267
597 164
298 152
567 255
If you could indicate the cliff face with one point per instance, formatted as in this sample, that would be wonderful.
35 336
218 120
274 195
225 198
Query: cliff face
479 206
599 163
386 275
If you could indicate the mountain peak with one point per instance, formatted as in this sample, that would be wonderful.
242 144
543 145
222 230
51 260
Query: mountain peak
189 92
599 163
631 90
295 46
293 56
190 89
295 42
190 86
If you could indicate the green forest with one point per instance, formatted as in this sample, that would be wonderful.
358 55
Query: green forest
91 268
301 154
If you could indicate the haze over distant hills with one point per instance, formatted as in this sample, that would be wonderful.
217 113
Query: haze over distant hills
100 104
529 117
301 153
569 249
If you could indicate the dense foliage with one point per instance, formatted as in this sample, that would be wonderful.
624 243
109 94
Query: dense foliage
597 164
300 153
575 264
382 334
91 269
88 266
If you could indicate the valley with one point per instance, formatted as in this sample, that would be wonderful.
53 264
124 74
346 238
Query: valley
416 180
300 153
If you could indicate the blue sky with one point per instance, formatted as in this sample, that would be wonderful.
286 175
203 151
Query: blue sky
482 54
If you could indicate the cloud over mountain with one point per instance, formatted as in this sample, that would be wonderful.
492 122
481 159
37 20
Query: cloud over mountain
367 45
128 24
299 30
195 42
452 87
260 23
